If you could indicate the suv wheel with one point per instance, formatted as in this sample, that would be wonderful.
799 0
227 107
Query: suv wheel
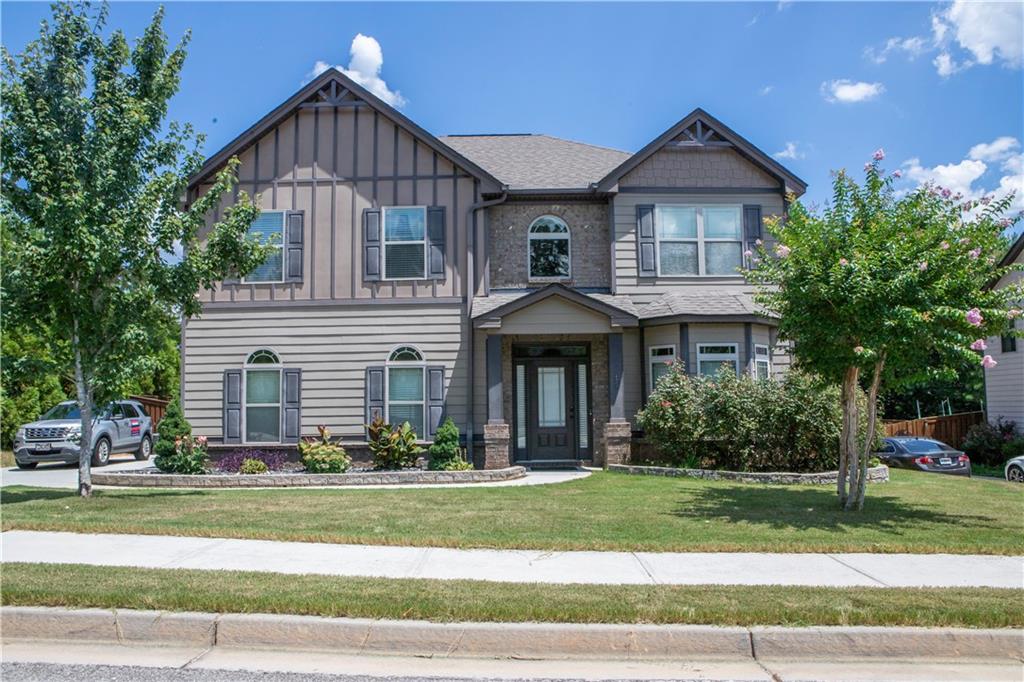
1015 474
145 449
101 455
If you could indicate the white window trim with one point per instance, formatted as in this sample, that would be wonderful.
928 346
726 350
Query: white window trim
405 364
702 356
265 367
700 239
765 359
384 244
652 360
531 237
279 246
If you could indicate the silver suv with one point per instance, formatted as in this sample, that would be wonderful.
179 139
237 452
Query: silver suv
122 426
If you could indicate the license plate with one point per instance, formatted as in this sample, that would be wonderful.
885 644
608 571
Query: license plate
44 446
945 461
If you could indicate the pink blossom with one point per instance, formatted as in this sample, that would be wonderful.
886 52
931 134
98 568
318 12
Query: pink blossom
988 363
843 261
922 266
748 253
897 174
669 362
782 250
946 193
979 345
944 246
1005 222
858 350
665 403
1013 313
986 200
758 242
974 317
201 440
867 167
964 240
974 253
879 154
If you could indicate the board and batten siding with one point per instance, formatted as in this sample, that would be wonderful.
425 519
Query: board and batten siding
333 345
331 164
1004 383
646 289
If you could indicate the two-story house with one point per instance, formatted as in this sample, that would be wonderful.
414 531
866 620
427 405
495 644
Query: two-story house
532 288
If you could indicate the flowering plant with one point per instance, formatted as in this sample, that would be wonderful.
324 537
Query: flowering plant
909 307
189 456
323 456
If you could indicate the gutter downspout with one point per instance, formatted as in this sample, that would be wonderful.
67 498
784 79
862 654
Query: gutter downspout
471 222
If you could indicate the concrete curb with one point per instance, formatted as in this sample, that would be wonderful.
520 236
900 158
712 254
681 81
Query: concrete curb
145 478
503 640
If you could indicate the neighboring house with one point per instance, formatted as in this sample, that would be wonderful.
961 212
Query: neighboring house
1004 383
531 288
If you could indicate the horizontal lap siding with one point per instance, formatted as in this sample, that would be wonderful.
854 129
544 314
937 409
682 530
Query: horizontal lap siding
646 289
332 346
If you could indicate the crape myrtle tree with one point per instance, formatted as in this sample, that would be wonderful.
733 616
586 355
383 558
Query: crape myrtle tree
92 200
885 286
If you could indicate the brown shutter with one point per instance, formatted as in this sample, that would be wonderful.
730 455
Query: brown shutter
372 245
647 248
293 233
435 242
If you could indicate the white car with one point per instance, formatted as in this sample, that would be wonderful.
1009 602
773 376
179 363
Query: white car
1015 470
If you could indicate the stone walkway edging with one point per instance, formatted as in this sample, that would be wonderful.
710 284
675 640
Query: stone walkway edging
502 640
147 479
878 474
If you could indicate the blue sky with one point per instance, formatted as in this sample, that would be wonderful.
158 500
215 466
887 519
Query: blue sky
945 100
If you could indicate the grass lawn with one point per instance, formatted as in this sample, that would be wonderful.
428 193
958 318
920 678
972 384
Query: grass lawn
463 600
6 459
914 512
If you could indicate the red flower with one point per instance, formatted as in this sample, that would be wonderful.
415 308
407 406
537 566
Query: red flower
665 403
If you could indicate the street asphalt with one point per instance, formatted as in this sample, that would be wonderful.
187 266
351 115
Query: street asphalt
63 475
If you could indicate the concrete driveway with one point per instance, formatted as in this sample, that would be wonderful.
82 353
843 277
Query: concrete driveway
62 475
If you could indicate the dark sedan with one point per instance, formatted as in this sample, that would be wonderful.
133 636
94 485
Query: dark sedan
924 454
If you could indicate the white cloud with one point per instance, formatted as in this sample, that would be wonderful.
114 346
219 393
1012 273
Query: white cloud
996 150
913 47
783 5
766 90
365 61
990 31
847 91
790 152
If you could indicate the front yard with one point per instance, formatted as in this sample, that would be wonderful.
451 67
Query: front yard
914 512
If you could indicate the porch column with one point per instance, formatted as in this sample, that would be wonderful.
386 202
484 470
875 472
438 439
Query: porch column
497 434
617 432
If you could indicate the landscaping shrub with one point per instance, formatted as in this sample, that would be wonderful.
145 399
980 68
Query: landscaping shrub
743 423
172 427
189 457
393 447
232 462
321 456
445 452
993 444
253 466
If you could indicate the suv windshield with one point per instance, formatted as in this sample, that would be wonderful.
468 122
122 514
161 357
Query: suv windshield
922 446
64 411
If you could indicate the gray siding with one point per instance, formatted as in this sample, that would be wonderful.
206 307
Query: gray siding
332 345
1004 383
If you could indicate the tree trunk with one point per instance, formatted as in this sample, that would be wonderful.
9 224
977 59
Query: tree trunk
84 395
857 497
848 437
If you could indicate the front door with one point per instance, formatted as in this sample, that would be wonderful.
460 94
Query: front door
551 415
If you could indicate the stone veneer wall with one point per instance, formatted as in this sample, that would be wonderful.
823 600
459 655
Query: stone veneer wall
879 474
598 378
697 167
590 250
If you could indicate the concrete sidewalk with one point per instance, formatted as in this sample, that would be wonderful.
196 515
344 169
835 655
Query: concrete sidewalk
519 566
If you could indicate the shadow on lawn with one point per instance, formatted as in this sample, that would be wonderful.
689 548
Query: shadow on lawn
16 495
814 508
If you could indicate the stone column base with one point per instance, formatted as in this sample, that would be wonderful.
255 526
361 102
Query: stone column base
497 442
617 438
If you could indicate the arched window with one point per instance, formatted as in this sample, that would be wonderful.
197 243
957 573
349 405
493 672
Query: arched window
406 388
261 397
548 248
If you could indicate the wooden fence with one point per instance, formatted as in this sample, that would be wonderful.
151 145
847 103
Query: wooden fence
156 407
950 429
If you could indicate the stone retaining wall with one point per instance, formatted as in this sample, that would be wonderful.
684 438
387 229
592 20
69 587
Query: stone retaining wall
879 474
146 478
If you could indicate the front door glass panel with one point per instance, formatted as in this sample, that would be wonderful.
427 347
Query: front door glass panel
550 397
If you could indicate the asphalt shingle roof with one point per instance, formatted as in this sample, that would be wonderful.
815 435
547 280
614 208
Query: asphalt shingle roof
485 304
538 161
702 302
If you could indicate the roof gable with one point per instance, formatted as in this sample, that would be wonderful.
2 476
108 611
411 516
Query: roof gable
616 315
332 88
701 130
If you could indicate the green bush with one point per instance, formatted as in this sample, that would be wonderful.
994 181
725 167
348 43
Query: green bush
321 456
253 466
172 427
742 423
189 457
993 444
393 447
445 452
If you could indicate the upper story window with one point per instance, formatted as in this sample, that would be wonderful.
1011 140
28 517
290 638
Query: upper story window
268 228
699 240
406 394
405 242
548 246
